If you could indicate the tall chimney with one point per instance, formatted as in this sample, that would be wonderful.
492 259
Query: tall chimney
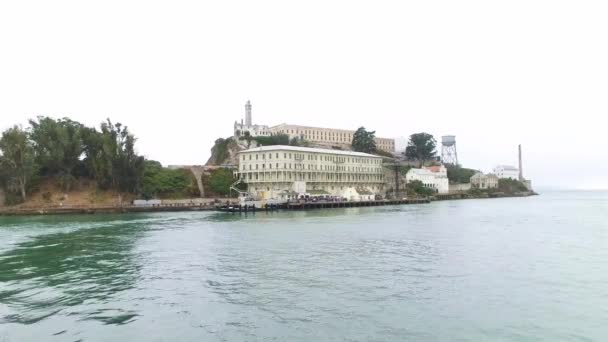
248 114
521 171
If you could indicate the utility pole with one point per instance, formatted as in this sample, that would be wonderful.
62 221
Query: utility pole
397 174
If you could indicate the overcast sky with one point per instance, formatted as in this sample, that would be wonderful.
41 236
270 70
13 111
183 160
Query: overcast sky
178 73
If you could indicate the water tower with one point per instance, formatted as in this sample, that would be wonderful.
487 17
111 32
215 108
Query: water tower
448 150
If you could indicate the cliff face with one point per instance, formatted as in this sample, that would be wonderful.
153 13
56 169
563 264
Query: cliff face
224 151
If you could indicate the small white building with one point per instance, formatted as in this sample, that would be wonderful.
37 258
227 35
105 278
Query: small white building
241 128
432 177
506 171
481 181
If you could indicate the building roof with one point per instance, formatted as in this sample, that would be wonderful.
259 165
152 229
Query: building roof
309 149
420 171
507 167
435 168
313 127
482 175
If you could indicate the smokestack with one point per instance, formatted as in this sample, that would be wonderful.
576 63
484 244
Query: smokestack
521 171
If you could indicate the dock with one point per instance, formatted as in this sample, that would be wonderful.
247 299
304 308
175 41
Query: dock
319 205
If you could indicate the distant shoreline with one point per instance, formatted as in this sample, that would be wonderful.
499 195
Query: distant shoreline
89 210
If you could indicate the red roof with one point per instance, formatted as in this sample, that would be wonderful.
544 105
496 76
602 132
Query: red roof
433 168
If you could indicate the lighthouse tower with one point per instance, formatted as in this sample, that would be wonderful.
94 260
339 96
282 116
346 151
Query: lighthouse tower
248 114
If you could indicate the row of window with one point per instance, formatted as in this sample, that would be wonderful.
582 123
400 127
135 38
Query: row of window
296 176
336 136
311 157
310 167
267 188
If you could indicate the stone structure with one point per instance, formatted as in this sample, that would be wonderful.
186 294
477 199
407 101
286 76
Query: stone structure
284 172
481 181
432 177
459 187
328 136
506 171
240 129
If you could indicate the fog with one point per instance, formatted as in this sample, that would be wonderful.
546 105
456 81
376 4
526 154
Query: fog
495 74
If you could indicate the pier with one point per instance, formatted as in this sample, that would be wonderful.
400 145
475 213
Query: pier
319 205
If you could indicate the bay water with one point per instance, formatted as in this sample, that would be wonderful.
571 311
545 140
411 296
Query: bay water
510 269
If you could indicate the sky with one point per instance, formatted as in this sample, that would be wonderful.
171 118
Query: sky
493 73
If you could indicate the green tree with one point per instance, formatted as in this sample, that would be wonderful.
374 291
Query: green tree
17 162
163 182
511 186
111 158
247 136
458 174
220 181
59 147
418 188
421 147
279 139
364 141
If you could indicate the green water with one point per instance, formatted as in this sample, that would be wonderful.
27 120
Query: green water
522 269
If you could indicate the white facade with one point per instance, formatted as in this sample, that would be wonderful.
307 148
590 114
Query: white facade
241 128
481 181
273 172
506 171
328 136
254 130
433 177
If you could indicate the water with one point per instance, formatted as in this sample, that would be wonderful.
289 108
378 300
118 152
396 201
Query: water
477 270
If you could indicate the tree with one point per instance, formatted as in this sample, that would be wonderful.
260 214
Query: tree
458 174
59 147
511 186
220 181
248 138
164 182
421 147
111 158
279 139
364 141
417 187
17 162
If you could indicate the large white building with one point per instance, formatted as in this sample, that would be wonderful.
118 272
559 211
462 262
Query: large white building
282 172
432 177
328 136
506 171
316 135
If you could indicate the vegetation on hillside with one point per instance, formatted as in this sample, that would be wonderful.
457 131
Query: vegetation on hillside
509 186
421 148
416 187
278 139
17 162
160 182
458 174
506 186
66 150
364 141
220 150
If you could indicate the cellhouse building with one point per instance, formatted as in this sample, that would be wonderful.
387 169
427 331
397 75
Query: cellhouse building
286 172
